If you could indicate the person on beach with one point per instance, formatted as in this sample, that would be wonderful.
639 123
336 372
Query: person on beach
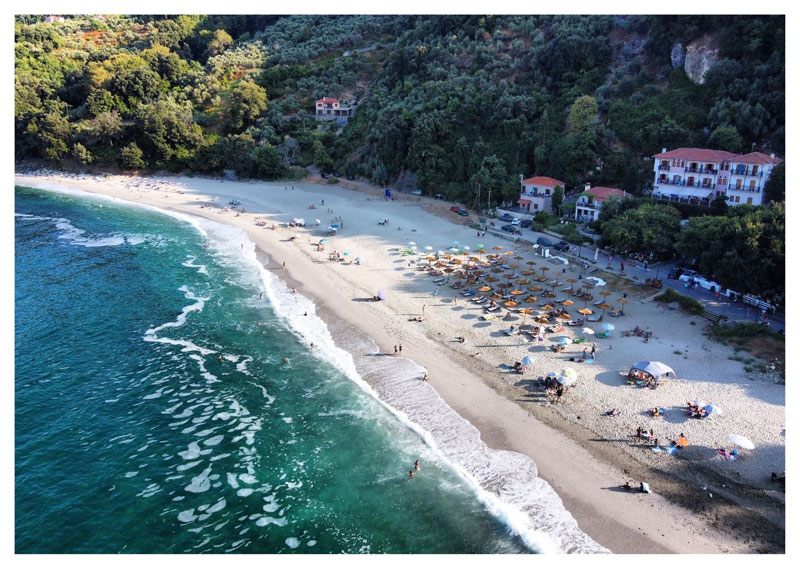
416 465
584 355
312 346
395 350
400 349
594 348
423 309
284 265
639 431
425 379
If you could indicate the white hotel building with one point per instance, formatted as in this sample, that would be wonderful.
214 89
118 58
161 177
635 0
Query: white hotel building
697 175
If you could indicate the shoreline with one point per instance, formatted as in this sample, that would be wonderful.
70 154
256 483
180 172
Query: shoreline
567 456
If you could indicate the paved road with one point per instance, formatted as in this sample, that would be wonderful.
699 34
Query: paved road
735 311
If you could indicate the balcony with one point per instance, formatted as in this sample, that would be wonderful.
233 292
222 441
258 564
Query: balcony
753 190
684 183
747 173
681 199
710 171
664 167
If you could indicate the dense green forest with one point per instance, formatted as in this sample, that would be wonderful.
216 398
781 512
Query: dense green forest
459 101
458 105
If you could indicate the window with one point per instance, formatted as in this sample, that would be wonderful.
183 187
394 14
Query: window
749 200
738 184
737 199
752 185
730 198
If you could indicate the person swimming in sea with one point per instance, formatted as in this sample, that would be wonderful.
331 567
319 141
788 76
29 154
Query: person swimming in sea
285 360
416 465
411 474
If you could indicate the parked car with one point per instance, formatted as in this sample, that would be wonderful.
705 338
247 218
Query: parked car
676 272
438 196
505 218
542 242
563 246
515 222
455 209
416 192
463 212
325 175
688 275
508 228
525 223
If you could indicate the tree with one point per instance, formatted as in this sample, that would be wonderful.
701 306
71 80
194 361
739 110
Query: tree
220 41
247 102
775 188
727 138
80 153
743 250
131 157
557 199
582 114
106 127
52 135
652 227
321 157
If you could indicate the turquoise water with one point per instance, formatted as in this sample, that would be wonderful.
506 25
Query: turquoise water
154 412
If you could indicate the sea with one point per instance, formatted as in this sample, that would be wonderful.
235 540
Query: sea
167 401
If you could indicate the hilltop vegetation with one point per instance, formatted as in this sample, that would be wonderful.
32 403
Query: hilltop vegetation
465 103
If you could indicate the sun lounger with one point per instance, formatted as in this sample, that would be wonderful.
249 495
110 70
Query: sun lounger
579 340
511 331
438 280
598 302
468 293
487 317
494 309
559 300
595 318
603 334
573 323
442 283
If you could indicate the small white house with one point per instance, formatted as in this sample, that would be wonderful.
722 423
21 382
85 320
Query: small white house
590 202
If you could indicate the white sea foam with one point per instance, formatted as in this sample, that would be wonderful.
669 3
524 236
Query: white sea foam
505 482
201 268
187 346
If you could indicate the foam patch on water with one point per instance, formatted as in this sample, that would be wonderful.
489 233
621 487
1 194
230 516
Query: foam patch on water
187 346
201 268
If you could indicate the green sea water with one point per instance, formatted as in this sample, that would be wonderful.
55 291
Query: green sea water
154 412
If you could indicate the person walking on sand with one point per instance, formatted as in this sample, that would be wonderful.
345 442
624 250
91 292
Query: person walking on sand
395 350
284 265
425 378
423 309
400 349
594 348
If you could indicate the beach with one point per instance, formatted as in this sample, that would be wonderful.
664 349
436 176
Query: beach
697 497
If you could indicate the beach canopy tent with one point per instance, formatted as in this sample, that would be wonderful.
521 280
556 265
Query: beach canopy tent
381 295
653 368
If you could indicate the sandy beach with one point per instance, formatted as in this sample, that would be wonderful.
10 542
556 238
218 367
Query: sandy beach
700 502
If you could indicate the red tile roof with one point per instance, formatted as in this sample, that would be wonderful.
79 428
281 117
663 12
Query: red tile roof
756 158
601 193
545 181
327 100
698 155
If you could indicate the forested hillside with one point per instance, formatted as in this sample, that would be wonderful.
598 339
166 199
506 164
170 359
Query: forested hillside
460 102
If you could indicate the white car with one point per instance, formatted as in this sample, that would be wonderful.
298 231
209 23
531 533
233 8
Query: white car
515 221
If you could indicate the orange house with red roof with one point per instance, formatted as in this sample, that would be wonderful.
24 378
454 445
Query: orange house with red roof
330 109
590 202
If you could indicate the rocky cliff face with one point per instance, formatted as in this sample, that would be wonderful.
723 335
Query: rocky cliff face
701 55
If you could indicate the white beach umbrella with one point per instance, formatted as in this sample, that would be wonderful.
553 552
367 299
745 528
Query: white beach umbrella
411 243
741 441
588 331
569 372
567 381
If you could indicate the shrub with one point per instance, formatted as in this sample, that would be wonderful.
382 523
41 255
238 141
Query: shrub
687 304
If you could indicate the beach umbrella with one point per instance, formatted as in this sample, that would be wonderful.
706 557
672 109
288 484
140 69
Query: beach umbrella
564 341
527 361
318 221
547 307
564 317
605 293
345 254
525 313
498 248
449 270
567 381
741 441
527 272
567 303
531 299
531 263
428 247
622 302
484 289
607 326
569 372
585 311
323 240
491 279
588 331
497 269
480 246
516 292
535 288
381 295
411 243
465 247
542 320
510 304
544 268
712 409
508 252
604 307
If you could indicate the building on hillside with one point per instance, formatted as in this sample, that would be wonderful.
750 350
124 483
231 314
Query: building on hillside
333 110
536 194
590 202
51 19
699 175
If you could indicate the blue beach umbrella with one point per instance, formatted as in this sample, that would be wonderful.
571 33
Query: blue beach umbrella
607 326
527 361
323 240
564 341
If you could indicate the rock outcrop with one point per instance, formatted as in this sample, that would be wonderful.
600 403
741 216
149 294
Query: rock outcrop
701 55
